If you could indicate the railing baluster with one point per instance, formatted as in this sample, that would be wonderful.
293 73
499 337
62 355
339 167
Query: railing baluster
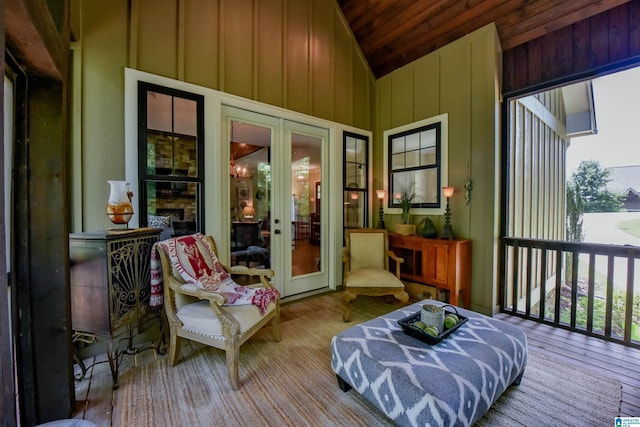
628 318
543 284
591 291
556 315
574 288
520 272
609 303
514 284
527 308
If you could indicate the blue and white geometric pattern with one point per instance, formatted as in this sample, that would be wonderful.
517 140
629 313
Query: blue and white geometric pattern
452 383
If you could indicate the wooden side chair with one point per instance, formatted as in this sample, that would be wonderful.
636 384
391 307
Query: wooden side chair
210 316
366 267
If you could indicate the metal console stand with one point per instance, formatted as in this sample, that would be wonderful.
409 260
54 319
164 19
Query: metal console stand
110 293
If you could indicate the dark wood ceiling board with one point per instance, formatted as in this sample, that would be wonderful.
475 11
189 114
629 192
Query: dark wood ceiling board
363 15
534 56
456 26
409 23
581 44
533 22
619 28
599 39
558 54
434 25
393 33
633 15
527 66
531 11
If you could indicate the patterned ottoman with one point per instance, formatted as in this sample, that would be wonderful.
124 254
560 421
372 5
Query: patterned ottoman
450 383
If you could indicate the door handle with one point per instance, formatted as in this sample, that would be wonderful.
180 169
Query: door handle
277 221
277 231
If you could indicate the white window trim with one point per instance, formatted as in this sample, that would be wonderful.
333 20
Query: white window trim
444 161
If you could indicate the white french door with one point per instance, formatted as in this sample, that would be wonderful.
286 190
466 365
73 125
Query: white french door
304 152
276 218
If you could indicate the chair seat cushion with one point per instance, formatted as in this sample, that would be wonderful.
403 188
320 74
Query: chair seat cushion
199 318
372 278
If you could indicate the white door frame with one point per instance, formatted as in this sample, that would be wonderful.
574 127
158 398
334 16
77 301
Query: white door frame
216 192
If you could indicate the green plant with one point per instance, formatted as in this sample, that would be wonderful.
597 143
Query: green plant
575 211
591 180
618 312
407 194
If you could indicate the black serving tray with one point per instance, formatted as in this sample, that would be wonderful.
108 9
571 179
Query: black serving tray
415 332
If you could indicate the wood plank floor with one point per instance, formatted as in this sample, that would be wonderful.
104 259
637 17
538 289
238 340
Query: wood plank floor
609 359
96 398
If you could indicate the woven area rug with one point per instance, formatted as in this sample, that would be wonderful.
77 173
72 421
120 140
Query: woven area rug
291 383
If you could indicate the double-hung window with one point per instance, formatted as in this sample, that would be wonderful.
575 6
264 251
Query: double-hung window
416 156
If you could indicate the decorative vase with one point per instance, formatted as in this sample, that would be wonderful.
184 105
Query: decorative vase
405 229
428 229
119 207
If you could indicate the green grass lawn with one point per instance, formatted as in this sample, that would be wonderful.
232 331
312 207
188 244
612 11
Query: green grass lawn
631 226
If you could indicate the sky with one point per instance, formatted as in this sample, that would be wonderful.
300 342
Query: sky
617 106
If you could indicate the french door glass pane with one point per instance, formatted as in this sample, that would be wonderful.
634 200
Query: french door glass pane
306 173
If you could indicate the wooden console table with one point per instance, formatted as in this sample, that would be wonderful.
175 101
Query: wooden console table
444 264
110 275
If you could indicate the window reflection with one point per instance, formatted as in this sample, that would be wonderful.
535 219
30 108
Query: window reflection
171 159
355 194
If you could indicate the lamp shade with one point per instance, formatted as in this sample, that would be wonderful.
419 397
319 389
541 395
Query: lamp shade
448 191
248 212
381 194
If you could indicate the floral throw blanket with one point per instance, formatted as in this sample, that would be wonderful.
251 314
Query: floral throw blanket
194 259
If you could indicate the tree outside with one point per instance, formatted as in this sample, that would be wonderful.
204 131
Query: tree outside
590 179
575 212
587 192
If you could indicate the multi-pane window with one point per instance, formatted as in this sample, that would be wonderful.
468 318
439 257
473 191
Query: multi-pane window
171 158
355 179
415 160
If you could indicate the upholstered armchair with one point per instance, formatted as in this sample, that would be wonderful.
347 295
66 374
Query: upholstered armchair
204 305
366 267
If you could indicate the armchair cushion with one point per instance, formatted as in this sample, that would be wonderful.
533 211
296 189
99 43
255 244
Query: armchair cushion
372 278
197 317
367 250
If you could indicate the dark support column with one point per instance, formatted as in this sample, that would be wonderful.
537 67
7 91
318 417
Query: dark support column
46 360
37 35
7 403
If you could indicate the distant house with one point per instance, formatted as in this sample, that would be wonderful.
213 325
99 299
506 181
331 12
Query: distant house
626 180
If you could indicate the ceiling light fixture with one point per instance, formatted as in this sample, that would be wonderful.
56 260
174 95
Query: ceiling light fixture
237 171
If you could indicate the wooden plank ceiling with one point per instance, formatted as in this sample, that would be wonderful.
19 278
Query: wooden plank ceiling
392 33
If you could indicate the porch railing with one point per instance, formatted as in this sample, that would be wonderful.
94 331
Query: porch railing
589 288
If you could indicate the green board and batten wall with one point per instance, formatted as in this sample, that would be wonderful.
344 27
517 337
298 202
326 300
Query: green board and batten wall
462 80
299 55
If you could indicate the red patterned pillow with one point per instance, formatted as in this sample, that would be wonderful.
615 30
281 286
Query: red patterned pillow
193 258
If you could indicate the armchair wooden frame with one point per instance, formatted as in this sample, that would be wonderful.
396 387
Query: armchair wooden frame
395 288
232 336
